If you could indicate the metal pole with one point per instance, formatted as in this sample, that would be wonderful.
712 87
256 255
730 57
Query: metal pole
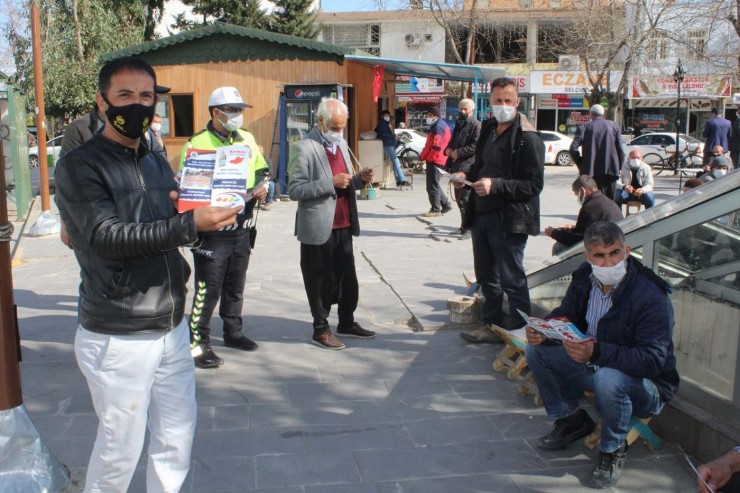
10 376
38 77
678 122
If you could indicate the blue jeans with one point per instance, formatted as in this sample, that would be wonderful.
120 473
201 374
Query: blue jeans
618 396
270 192
498 261
647 199
391 151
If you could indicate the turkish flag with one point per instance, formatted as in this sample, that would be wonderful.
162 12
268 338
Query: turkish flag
377 82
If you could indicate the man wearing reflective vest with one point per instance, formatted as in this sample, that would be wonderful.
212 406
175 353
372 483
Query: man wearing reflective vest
222 257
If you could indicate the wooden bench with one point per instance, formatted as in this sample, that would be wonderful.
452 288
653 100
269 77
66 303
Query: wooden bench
636 204
511 358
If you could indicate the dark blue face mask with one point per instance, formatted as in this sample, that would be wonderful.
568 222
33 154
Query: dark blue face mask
131 120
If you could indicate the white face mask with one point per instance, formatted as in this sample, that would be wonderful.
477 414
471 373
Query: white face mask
156 127
234 121
387 118
503 113
430 120
609 276
634 163
718 173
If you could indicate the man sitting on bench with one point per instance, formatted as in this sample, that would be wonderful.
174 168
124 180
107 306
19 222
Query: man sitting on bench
630 365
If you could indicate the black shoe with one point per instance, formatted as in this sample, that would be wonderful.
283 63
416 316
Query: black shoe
240 342
609 468
204 357
446 208
405 184
464 234
567 430
355 330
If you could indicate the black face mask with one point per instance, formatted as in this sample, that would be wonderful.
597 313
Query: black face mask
462 115
131 120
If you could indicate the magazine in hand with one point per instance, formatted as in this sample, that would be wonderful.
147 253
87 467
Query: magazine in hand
560 329
217 177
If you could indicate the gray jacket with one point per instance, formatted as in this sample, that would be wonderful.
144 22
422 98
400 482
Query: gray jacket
310 183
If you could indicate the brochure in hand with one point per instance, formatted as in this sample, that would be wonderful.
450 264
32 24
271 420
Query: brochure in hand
217 177
560 329
453 177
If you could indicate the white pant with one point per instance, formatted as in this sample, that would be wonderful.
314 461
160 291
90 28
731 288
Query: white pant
129 377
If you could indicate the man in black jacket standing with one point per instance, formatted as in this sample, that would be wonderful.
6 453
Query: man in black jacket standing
461 154
132 342
507 175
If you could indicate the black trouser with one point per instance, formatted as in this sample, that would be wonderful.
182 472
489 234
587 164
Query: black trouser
498 258
221 263
462 195
329 277
607 185
437 197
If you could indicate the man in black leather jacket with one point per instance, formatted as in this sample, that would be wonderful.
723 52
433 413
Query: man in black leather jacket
132 343
504 207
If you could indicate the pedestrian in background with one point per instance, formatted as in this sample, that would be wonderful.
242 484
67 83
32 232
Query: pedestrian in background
603 153
717 131
433 153
461 154
388 137
323 182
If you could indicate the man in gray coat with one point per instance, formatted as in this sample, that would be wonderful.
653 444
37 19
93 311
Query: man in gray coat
603 153
323 182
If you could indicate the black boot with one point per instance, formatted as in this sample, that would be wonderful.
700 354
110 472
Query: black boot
567 430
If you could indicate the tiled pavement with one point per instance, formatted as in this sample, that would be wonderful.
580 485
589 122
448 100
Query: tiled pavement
407 412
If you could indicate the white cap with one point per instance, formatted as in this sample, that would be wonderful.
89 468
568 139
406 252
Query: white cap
597 109
227 96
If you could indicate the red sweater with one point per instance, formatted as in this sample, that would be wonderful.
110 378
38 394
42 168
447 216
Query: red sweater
341 212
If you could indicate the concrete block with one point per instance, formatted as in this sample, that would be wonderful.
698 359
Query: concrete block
463 309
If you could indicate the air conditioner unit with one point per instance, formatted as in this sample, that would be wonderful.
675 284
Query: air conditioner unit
412 39
569 62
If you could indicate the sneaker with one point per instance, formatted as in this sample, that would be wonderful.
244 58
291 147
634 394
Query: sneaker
240 342
327 340
567 430
609 468
447 208
432 214
480 335
355 330
204 357
405 184
266 207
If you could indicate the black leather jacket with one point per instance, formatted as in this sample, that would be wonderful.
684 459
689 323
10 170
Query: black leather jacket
518 179
464 140
125 230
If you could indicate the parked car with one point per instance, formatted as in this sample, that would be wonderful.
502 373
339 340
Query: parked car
557 148
409 145
662 144
413 138
53 147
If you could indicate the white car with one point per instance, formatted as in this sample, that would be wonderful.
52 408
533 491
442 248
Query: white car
557 148
53 147
662 144
413 139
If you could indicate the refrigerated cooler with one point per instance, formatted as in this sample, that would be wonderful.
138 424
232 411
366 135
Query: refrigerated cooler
301 103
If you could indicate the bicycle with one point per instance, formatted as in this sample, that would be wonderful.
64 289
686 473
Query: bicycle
687 159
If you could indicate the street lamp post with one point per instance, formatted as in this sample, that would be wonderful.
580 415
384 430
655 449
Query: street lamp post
678 76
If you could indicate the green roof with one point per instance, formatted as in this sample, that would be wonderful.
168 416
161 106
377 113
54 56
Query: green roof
229 43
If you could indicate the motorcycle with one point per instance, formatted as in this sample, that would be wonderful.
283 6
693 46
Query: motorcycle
408 157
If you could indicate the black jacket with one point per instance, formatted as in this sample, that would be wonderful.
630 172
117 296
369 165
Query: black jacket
636 335
596 207
517 182
116 205
464 139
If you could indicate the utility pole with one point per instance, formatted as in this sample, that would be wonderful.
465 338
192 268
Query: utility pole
46 223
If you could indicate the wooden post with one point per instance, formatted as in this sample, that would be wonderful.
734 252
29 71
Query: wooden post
38 77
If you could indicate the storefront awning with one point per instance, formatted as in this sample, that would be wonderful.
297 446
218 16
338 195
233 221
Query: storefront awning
433 70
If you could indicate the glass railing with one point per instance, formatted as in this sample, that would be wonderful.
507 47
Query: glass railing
692 241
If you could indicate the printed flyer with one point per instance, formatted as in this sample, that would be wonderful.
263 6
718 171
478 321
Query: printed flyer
560 329
216 178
